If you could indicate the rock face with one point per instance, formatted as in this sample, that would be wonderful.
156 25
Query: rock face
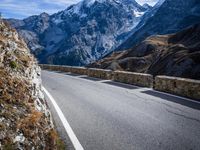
166 17
82 33
25 121
173 55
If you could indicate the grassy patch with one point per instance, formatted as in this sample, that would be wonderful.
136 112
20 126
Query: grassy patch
55 141
13 64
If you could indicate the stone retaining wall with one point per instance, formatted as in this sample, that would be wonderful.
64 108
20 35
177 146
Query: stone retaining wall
179 86
100 73
78 70
139 79
145 80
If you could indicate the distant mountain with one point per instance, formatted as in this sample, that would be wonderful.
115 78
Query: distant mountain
166 17
82 33
31 30
173 55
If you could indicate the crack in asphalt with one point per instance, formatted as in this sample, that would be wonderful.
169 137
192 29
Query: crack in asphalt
161 103
184 116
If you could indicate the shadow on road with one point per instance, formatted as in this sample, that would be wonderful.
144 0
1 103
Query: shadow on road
55 71
92 79
69 73
72 74
181 101
122 85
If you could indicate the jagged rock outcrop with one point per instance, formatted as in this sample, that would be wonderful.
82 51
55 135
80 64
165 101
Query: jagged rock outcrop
25 121
173 55
82 33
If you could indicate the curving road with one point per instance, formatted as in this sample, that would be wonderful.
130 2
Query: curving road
106 115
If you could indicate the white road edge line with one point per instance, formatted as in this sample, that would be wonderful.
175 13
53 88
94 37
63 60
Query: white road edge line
65 123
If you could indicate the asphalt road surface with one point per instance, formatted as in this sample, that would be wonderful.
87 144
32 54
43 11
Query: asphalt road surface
106 115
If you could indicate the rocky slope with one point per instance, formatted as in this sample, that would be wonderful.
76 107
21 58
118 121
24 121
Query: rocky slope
170 17
173 55
82 33
25 121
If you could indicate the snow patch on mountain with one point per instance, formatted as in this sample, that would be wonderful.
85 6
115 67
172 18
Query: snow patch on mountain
83 32
138 14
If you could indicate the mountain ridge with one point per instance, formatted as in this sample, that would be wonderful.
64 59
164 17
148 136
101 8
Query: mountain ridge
170 17
82 32
173 55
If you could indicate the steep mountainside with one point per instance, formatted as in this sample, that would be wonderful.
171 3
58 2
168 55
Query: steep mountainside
170 17
82 33
31 30
174 55
25 121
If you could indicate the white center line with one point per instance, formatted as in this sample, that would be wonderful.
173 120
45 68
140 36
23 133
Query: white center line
65 123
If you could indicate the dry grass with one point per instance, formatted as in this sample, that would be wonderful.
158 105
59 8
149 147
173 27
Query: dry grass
17 108
13 90
28 124
55 141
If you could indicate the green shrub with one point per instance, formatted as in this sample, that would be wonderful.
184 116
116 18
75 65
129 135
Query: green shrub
60 144
13 64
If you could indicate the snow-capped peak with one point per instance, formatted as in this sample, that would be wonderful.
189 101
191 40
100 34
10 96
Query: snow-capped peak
88 3
87 30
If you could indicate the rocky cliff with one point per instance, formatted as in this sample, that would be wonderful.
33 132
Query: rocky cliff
25 121
173 55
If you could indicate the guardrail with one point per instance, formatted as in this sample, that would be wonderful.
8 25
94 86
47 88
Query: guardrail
100 73
179 86
139 79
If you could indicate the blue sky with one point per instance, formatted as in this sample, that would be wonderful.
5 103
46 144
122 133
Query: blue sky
24 8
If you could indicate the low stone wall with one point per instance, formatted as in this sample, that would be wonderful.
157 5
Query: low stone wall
100 73
78 70
52 67
179 86
64 68
145 80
